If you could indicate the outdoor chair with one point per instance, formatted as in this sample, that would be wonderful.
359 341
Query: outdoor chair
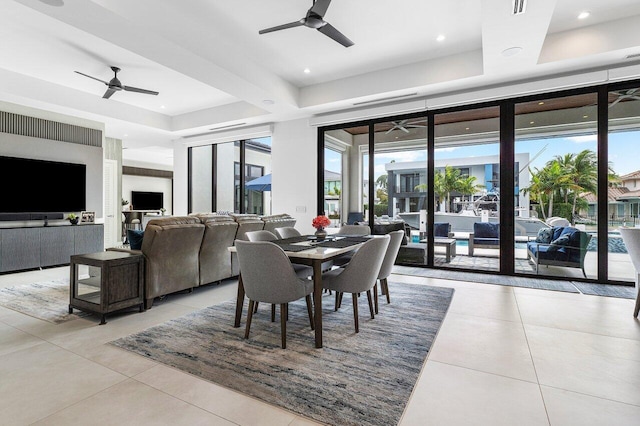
359 275
354 217
485 235
559 246
268 277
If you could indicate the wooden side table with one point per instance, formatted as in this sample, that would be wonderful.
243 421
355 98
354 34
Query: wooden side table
107 281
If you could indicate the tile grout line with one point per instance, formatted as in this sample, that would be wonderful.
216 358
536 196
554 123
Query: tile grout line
533 363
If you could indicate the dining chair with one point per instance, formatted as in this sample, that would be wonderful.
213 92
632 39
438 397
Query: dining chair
360 274
350 230
287 232
396 238
302 271
268 276
261 236
357 230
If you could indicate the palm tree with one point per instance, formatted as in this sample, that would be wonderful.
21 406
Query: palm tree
468 186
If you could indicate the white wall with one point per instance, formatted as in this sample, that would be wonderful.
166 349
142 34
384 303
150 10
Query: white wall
146 183
294 165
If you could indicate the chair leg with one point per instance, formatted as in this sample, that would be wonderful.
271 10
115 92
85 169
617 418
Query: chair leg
273 312
375 296
355 311
386 288
284 308
337 305
309 310
370 303
255 309
249 316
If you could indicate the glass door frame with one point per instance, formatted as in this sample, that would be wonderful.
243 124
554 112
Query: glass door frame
507 168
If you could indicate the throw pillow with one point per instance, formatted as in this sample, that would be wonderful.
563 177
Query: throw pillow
135 237
563 240
544 235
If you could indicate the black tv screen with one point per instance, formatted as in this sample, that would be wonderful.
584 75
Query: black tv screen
147 200
41 186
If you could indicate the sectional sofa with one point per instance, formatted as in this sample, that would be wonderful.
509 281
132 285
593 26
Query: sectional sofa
184 252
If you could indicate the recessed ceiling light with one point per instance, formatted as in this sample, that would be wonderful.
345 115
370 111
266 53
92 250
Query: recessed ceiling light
441 37
307 71
540 103
512 51
532 122
126 135
162 106
585 116
56 3
466 128
584 15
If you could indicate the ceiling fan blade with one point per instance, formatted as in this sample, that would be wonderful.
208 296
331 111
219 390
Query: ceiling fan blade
108 93
86 75
137 90
281 27
320 7
336 35
404 129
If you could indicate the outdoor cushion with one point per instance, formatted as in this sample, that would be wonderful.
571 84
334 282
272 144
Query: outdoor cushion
486 241
543 251
486 230
563 240
557 230
544 235
441 229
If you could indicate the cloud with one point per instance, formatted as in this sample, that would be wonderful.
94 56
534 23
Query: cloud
450 149
583 138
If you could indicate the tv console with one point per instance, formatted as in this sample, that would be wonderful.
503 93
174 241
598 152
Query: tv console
5 217
39 246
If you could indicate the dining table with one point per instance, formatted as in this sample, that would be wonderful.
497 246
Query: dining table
306 250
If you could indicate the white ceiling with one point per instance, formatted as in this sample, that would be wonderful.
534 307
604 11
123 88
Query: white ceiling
213 69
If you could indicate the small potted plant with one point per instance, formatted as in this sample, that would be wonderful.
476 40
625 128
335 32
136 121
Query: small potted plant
162 211
320 222
73 218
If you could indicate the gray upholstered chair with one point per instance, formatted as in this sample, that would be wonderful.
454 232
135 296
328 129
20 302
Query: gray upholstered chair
350 230
287 232
261 236
354 230
359 275
302 271
631 238
268 277
396 238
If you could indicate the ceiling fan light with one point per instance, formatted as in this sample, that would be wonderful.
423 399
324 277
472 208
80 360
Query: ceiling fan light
584 15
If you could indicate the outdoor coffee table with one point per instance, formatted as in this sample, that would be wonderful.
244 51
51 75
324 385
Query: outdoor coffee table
449 245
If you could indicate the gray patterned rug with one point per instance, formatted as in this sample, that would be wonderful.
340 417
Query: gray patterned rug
355 379
47 301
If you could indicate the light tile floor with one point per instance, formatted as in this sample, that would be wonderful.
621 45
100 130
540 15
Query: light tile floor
504 356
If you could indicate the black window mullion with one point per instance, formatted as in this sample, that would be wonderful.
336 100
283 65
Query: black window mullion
242 179
214 178
603 183
431 204
320 174
372 188
507 188
190 175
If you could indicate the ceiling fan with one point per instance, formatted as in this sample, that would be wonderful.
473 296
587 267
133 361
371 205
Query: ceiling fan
114 85
405 125
623 95
314 19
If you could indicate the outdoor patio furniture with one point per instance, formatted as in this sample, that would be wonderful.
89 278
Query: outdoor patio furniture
567 248
484 235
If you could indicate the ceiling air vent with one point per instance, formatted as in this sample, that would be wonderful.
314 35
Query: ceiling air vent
519 7
634 56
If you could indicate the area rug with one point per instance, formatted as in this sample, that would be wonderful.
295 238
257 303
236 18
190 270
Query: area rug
47 301
355 379
537 283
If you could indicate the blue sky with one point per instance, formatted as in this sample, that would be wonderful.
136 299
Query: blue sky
622 152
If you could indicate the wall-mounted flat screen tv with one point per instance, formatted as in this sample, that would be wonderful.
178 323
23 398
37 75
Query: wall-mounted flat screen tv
141 200
36 186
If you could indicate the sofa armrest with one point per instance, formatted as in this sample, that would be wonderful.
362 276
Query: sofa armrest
124 250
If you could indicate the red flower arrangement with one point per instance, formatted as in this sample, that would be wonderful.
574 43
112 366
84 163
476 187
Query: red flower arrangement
320 222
